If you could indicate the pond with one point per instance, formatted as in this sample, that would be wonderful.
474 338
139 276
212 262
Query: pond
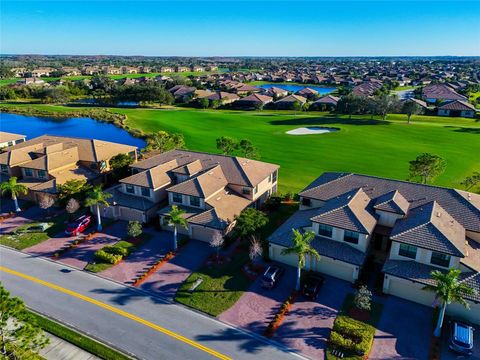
34 126
295 88
91 101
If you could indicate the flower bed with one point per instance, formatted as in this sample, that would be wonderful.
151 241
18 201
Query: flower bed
140 279
7 216
280 315
73 245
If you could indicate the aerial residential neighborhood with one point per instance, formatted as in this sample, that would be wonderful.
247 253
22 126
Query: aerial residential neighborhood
256 180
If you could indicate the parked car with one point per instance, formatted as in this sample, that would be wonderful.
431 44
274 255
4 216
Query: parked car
312 285
461 338
79 225
271 276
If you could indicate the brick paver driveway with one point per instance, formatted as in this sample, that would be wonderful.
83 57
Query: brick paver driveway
22 218
49 247
404 331
308 324
169 277
80 256
257 306
145 256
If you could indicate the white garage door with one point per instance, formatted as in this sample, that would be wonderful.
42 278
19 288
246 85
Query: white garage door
335 268
202 233
410 291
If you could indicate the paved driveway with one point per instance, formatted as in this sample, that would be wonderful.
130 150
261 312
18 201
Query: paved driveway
448 354
22 218
169 277
307 326
144 257
257 306
404 331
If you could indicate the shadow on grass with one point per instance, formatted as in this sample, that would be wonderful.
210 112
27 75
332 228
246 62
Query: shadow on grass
329 120
475 131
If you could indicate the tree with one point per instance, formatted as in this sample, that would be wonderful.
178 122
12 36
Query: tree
175 219
411 108
385 104
249 151
14 189
54 95
97 197
134 229
301 247
427 167
296 106
203 102
119 165
217 242
255 250
74 188
448 289
227 145
20 336
72 206
163 141
471 181
352 104
249 222
46 202
363 298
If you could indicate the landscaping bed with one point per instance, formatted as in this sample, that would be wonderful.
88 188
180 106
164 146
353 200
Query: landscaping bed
353 337
23 238
221 286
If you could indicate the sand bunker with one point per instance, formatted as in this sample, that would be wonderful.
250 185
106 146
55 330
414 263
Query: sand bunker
311 130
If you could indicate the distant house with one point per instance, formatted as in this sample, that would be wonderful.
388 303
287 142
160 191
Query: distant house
223 97
212 68
129 70
127 81
10 139
275 92
167 69
307 93
253 101
457 108
200 94
198 68
71 71
288 101
243 89
181 69
30 80
419 102
41 72
182 93
440 92
328 102
367 88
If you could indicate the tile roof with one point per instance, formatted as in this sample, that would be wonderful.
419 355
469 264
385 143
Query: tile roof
6 136
154 177
441 91
349 211
131 201
331 184
431 227
458 105
256 98
328 99
393 202
420 273
203 185
306 91
292 99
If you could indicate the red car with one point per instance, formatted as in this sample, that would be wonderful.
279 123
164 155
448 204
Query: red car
79 225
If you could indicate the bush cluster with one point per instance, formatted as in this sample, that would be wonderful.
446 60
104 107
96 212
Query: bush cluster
280 315
153 268
352 335
105 257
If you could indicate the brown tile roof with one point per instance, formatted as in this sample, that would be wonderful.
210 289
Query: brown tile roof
441 91
429 226
392 202
306 91
222 94
328 99
458 105
190 168
6 136
54 160
332 184
292 99
204 185
255 98
154 177
349 211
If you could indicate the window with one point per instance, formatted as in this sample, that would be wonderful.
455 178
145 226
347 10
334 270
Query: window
274 177
28 172
10 143
178 198
255 190
42 174
246 191
325 230
132 154
306 202
145 192
130 189
350 237
4 168
440 259
408 251
194 201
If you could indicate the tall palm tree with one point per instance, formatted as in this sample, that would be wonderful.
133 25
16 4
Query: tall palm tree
97 197
11 186
301 247
175 218
448 288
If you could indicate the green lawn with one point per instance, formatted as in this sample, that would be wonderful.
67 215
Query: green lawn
375 147
21 240
222 286
473 97
406 87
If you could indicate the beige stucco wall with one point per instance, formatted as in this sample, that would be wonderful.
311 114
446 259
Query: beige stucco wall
387 218
313 204
203 233
423 256
337 235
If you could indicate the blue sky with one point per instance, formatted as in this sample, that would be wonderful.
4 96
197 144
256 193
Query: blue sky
241 28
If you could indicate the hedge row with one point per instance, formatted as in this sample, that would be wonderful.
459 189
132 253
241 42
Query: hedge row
141 278
352 335
280 315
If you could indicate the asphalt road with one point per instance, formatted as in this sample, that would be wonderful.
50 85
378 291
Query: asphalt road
145 326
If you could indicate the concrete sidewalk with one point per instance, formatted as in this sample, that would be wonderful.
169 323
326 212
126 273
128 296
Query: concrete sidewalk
59 349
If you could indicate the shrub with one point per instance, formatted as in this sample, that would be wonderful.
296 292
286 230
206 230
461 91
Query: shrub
352 335
363 298
134 229
106 257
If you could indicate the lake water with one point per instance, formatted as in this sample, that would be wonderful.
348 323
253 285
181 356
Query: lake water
33 126
295 88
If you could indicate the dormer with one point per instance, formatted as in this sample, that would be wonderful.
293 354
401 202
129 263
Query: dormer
390 207
186 171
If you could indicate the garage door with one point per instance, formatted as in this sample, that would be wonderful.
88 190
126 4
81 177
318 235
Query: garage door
276 254
410 291
202 233
334 268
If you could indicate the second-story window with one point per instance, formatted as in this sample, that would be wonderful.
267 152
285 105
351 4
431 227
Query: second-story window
351 237
130 189
408 251
42 174
246 191
178 198
306 202
255 190
194 201
4 168
28 172
440 259
274 177
325 230
145 192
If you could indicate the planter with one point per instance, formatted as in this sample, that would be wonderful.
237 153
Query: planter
280 315
139 280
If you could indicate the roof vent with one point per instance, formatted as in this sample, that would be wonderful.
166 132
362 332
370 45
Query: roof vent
439 214
218 198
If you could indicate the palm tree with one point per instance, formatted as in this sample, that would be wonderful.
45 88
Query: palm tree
97 197
175 218
448 289
301 247
11 186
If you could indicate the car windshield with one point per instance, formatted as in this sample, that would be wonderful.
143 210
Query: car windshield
461 335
